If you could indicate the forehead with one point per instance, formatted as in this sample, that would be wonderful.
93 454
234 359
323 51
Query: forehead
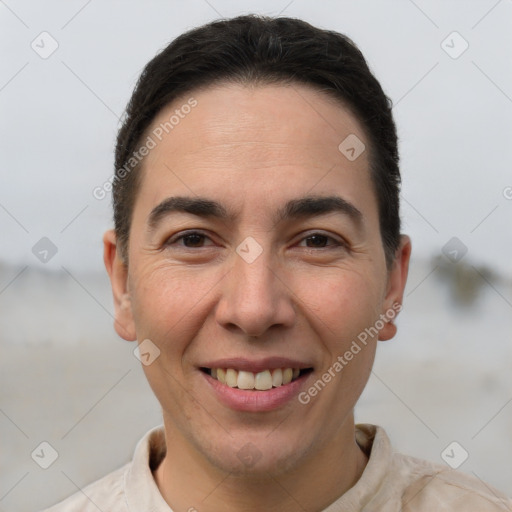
249 140
278 113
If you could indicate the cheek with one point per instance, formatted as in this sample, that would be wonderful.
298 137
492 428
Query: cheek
161 295
340 309
341 304
165 310
168 304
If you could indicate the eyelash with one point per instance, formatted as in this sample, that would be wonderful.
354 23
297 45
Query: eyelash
337 243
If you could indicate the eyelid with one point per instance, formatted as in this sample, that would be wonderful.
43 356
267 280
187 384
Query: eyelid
182 234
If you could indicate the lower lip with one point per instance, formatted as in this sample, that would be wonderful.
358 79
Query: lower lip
254 400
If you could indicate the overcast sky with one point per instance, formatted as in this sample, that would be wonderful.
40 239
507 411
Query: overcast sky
445 65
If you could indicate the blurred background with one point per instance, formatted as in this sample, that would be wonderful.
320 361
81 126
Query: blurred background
442 388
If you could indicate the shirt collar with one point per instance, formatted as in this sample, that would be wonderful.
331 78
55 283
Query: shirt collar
374 441
142 492
140 487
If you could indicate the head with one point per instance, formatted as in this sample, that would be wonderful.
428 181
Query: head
256 209
252 51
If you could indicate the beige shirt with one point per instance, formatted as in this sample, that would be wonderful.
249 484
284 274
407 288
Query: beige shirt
390 483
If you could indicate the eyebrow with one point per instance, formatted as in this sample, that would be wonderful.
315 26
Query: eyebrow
309 206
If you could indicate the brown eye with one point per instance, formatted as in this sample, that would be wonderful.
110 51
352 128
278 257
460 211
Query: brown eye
189 240
194 240
317 240
321 241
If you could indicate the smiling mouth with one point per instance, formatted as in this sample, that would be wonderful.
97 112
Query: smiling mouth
261 381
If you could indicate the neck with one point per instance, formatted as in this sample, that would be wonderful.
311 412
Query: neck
188 482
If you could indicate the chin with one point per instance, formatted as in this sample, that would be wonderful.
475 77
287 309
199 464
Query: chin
259 457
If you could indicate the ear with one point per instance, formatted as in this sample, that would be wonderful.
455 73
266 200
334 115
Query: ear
397 279
118 272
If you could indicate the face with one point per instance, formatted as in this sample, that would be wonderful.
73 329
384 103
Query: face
255 257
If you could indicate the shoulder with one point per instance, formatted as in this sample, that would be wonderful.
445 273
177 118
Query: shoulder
127 489
429 486
107 493
393 481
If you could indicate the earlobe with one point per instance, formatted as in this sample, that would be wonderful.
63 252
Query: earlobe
388 331
118 273
395 290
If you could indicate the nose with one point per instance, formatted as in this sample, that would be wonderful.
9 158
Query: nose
255 297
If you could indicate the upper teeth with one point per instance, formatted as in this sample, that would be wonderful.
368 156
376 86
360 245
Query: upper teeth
260 381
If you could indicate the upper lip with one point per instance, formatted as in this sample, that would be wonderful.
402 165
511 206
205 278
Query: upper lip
256 365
